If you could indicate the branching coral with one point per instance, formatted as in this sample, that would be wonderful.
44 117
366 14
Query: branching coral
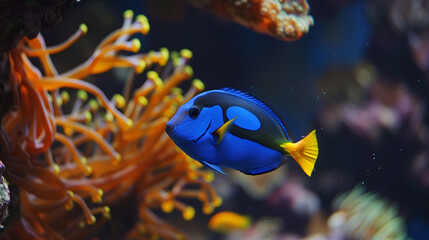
74 153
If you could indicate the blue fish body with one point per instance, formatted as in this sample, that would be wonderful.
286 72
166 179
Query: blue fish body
229 128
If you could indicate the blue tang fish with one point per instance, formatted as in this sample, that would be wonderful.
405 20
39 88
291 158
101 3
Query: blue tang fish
230 128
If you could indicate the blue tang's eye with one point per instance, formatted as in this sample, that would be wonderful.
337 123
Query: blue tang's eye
194 112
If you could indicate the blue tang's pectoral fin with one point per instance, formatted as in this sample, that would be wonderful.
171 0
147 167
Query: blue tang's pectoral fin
213 167
219 133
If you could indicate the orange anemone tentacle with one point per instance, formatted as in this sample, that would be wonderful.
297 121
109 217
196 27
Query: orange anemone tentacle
63 144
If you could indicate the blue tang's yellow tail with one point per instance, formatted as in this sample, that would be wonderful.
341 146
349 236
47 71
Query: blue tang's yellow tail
305 152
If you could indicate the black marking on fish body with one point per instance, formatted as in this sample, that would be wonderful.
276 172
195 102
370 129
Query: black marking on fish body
271 134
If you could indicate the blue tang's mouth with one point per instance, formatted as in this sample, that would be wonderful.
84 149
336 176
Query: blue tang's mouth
169 128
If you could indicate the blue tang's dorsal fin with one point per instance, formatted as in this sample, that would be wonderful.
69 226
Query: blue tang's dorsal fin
261 104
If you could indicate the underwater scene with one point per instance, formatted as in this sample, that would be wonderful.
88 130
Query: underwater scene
214 119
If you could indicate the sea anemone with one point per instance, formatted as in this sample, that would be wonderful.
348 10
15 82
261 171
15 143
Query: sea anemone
73 152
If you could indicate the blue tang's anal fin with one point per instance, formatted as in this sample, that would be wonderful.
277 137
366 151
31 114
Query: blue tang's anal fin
213 167
265 169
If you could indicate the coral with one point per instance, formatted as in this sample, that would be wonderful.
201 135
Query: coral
4 196
409 16
367 103
292 198
358 215
266 228
362 215
73 152
283 19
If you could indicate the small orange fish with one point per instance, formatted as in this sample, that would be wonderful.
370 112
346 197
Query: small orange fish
224 222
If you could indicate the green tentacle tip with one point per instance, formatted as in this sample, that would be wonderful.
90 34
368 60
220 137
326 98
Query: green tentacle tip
142 100
120 100
83 27
189 70
81 94
152 75
128 13
186 53
188 214
165 54
129 124
140 66
136 44
198 84
142 18
65 96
